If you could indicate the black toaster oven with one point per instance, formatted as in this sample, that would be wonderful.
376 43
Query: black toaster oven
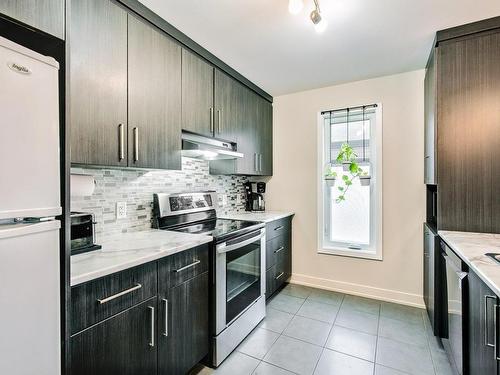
82 233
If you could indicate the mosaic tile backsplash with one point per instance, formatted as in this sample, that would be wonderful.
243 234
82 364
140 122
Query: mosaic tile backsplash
136 187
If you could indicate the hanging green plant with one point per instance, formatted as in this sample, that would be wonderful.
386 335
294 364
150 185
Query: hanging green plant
347 157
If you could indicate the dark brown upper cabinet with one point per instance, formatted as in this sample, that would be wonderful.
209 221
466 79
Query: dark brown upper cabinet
265 136
45 15
197 94
468 124
154 98
229 107
98 83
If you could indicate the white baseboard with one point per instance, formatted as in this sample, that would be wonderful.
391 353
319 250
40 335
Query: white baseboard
387 295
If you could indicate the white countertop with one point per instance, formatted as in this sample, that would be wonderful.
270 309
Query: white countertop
129 250
471 248
263 216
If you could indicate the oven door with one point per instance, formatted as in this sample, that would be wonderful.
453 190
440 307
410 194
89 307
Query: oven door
240 277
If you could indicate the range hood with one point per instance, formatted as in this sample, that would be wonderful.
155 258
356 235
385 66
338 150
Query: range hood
206 148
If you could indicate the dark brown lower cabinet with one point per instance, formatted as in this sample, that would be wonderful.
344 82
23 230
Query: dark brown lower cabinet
184 336
481 328
124 344
278 254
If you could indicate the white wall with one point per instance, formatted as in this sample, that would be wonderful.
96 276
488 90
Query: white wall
398 277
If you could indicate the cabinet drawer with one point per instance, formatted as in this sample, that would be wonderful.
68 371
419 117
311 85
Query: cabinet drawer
177 268
99 299
270 281
278 227
277 249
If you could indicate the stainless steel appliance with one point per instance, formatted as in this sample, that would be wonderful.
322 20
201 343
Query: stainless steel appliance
255 196
207 148
237 264
82 233
456 289
30 339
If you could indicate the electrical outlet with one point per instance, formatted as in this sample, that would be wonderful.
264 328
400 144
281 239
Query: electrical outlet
121 210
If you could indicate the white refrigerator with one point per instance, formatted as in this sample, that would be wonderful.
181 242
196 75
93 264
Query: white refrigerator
30 333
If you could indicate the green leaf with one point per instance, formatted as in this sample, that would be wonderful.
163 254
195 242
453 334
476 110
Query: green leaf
341 188
345 177
348 183
353 168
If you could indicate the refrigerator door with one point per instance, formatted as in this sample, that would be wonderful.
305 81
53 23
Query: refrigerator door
29 133
30 339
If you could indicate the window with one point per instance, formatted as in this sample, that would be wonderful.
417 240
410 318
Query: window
350 199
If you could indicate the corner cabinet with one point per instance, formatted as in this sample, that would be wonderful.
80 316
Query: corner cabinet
45 15
150 319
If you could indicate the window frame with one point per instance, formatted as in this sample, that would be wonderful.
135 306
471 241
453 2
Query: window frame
376 252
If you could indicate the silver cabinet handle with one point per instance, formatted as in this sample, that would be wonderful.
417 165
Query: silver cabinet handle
255 166
219 120
486 339
279 227
211 120
279 249
136 144
188 266
121 145
260 162
114 296
152 342
495 320
165 301
281 274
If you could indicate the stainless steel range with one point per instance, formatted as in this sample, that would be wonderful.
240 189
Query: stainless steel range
237 264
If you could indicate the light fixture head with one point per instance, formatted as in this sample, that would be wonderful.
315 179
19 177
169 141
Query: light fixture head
320 24
295 6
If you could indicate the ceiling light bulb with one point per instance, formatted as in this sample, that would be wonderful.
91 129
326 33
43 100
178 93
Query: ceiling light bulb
321 26
295 6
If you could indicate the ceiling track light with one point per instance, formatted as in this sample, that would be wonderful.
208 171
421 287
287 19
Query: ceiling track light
296 6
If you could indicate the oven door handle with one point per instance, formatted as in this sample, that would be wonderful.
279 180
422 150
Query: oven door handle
223 248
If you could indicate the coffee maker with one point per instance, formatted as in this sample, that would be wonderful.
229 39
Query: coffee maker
255 196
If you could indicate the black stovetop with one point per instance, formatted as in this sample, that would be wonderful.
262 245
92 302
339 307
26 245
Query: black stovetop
219 228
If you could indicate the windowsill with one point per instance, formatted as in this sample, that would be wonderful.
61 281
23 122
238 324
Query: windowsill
364 254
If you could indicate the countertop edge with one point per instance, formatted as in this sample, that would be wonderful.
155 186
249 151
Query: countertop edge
77 280
276 215
492 285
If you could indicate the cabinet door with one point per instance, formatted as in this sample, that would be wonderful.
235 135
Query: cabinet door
265 137
482 301
197 94
230 98
468 124
184 335
122 345
154 98
45 15
98 83
430 129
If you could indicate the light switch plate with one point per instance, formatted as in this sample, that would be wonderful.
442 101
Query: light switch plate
121 210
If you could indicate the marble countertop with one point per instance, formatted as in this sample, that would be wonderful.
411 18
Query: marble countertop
263 217
471 248
129 250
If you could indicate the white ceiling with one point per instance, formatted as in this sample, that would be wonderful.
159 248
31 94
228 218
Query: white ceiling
282 53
